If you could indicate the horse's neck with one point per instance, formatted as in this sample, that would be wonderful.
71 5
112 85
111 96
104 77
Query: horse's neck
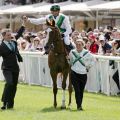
59 47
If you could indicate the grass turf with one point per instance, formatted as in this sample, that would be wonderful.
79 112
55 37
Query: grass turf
36 103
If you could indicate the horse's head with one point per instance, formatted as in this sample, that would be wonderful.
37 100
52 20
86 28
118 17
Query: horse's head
54 37
50 23
50 26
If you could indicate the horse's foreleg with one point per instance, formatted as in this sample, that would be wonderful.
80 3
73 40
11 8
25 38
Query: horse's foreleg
55 93
63 100
54 78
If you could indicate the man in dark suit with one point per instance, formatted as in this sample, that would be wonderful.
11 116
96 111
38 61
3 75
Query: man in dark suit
10 68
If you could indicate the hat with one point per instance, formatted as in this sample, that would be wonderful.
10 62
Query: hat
101 37
92 37
80 40
55 8
50 22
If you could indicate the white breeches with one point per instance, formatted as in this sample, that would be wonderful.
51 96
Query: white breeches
67 40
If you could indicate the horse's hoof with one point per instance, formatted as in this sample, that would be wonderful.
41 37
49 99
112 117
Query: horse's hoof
63 107
55 106
69 107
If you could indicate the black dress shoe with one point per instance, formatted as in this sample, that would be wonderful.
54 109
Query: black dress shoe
3 107
10 105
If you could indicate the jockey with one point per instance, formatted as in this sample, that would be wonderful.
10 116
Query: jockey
61 21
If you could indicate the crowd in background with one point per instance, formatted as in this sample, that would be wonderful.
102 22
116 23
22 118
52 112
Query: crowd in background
21 2
24 2
32 41
103 41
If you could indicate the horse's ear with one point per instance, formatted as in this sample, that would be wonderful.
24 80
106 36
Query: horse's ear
50 22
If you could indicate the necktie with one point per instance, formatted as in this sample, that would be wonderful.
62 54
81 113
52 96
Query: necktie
11 46
55 17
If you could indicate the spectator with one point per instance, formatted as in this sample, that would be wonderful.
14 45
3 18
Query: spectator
23 44
93 47
116 79
36 45
27 38
87 45
116 52
104 47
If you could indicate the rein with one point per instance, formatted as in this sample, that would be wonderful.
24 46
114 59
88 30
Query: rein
56 45
56 53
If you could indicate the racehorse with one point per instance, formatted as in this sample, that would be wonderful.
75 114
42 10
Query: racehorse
57 62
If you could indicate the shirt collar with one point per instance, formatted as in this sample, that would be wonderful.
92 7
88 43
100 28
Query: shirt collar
6 41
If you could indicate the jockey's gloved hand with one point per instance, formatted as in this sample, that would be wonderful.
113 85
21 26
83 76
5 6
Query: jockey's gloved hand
62 35
46 48
46 53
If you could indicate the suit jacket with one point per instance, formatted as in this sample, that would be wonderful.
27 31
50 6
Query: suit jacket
10 58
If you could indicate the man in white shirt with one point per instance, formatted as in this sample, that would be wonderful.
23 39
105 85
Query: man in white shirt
62 22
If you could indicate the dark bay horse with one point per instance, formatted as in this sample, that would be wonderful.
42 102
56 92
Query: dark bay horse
58 64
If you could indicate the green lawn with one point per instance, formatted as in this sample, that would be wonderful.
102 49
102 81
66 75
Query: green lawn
35 103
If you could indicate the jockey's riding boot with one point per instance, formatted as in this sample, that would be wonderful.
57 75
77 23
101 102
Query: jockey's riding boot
69 47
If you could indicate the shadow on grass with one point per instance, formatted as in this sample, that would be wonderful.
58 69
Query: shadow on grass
103 97
75 110
7 110
52 109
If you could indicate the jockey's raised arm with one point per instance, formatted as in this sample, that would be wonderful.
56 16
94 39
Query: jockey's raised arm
37 21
